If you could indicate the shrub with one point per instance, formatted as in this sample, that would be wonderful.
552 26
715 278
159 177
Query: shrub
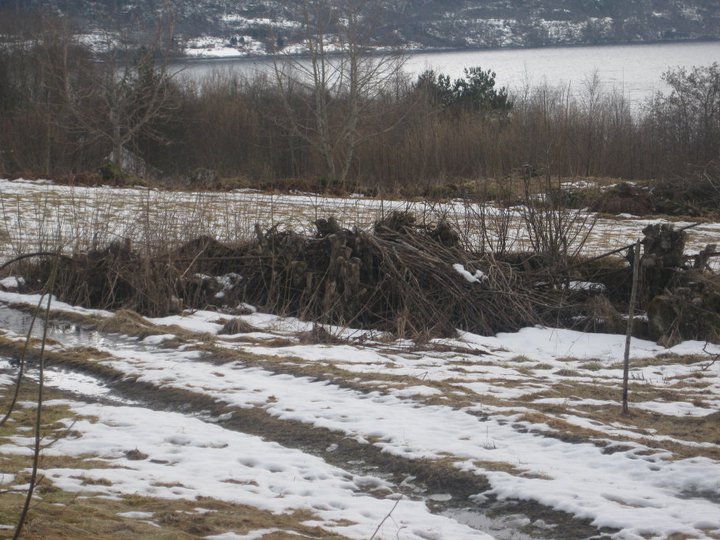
111 171
475 91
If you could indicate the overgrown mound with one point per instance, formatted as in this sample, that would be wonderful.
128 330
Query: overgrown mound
412 280
114 277
400 277
695 194
624 198
681 294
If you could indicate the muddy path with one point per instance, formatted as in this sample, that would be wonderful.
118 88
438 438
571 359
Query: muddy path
445 488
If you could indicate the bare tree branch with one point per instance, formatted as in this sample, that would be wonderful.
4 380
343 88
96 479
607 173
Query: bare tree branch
329 97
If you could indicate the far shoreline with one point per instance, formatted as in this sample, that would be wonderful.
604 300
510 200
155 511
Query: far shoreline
451 50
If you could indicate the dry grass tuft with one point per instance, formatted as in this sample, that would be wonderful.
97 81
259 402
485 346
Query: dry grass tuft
237 326
128 322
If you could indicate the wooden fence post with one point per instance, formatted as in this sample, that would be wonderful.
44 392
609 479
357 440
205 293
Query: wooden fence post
628 334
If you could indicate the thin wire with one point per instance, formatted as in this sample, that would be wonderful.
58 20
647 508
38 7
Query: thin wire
38 414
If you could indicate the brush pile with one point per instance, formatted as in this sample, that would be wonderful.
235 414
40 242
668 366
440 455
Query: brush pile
401 277
412 280
114 277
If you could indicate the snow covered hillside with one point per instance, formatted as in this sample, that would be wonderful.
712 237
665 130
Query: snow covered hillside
252 27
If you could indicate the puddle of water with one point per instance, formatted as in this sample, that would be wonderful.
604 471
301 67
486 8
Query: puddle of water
502 528
68 333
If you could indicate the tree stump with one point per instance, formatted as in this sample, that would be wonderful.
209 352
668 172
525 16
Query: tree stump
663 254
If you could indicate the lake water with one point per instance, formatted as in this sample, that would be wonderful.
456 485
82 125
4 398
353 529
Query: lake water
634 70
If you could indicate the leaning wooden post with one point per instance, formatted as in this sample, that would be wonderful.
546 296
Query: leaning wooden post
628 334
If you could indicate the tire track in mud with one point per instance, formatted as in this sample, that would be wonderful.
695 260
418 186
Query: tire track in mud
427 476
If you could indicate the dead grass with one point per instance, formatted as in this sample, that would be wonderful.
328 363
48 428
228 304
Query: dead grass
64 515
236 326
705 429
124 321
128 322
543 366
502 466
664 359
25 416
567 373
69 316
564 430
649 425
593 366
85 359
257 421
453 393
609 390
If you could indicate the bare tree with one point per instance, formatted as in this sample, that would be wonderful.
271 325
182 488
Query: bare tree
330 96
116 99
689 117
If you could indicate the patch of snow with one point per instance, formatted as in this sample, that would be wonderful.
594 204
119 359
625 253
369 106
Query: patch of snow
477 277
157 339
198 321
12 283
136 515
56 305
254 472
412 391
674 408
586 286
254 535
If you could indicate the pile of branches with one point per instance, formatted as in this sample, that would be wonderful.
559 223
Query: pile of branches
114 277
409 279
401 277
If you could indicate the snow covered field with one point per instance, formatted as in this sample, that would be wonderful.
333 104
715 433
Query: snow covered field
535 414
40 214
359 436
